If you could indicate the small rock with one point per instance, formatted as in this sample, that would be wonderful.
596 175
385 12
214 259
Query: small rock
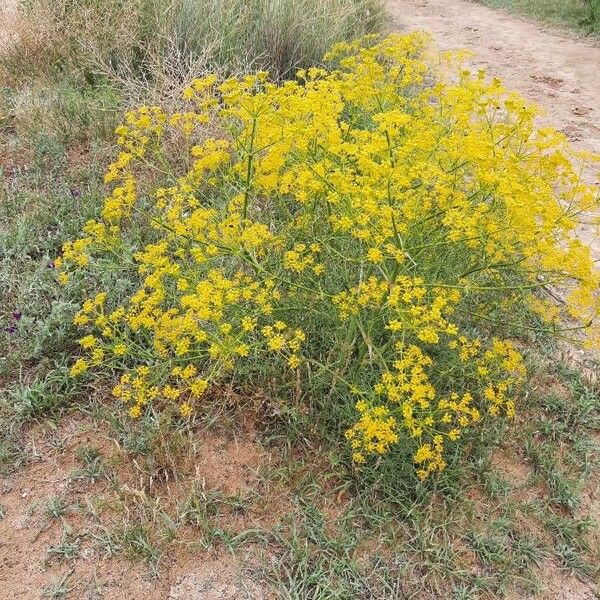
581 111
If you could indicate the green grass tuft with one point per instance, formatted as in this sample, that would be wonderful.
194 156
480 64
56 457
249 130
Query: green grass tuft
581 15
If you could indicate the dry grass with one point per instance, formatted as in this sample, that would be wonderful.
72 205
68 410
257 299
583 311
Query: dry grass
143 44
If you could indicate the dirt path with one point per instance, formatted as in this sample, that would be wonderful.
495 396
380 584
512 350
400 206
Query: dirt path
558 71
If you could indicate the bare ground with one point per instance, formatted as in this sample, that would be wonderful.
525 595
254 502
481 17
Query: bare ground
32 563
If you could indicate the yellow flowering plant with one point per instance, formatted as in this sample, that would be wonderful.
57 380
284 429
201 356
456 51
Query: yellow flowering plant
377 225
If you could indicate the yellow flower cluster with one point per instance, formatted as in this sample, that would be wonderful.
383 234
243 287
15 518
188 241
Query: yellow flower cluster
374 433
406 302
414 403
360 221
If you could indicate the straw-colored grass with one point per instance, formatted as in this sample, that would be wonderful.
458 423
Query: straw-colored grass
165 43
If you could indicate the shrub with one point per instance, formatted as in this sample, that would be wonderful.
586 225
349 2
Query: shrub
366 228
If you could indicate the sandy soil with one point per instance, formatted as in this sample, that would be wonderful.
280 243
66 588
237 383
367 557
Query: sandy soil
29 567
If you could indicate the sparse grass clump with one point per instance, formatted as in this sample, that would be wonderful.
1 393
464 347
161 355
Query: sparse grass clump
364 235
583 15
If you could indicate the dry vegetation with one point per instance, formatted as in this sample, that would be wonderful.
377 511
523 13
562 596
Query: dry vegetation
159 46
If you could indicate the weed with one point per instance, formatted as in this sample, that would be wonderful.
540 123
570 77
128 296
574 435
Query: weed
59 589
108 541
43 397
92 464
136 542
67 548
572 560
583 15
160 44
56 508
563 491
527 551
591 18
315 566
570 531
411 364
11 454
203 509
496 485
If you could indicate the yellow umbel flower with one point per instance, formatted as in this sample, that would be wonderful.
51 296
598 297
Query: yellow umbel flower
378 226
